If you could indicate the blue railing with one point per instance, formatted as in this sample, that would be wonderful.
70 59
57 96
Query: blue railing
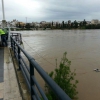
28 72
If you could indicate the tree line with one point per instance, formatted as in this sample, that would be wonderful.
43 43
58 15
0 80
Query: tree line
64 25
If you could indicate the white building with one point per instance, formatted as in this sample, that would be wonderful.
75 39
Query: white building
13 23
95 21
36 24
88 22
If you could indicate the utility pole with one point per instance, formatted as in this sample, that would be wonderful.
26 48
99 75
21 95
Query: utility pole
26 19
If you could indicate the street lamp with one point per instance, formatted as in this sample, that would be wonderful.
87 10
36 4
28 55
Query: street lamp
3 21
3 10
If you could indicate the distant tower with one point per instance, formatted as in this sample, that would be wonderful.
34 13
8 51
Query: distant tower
3 21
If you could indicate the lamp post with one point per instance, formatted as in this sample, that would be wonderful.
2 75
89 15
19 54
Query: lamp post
3 10
3 21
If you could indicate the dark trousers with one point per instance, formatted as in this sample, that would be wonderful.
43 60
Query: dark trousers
4 40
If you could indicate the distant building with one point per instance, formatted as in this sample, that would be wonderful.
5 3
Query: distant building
79 22
14 22
69 22
95 21
54 24
48 24
42 23
36 24
88 22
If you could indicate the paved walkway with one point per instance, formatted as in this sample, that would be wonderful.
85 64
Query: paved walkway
9 89
1 72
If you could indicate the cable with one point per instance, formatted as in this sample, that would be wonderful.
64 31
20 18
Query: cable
39 54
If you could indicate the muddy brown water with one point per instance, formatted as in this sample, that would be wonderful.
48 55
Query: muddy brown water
83 50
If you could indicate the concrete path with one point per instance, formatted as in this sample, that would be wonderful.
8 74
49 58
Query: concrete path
1 72
9 89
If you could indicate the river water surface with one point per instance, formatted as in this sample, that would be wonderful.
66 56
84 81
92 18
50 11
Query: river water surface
83 50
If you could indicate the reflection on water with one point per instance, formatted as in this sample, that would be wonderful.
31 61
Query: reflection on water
82 46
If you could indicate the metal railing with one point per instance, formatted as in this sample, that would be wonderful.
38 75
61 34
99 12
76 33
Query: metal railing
28 72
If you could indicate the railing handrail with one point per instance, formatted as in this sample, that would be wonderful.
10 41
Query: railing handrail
57 90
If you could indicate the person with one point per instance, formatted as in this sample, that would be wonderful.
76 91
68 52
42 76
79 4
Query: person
3 38
6 32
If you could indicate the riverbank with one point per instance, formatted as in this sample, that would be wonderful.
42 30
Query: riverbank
32 29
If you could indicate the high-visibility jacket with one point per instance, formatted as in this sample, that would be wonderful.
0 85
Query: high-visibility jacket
5 30
1 32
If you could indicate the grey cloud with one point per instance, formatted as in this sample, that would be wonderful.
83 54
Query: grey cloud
52 10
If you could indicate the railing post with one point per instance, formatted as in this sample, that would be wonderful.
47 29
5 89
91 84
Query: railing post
31 81
14 47
11 42
19 57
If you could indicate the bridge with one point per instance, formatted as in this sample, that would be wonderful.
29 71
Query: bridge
17 79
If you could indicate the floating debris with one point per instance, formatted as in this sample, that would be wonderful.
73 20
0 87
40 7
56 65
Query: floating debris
97 70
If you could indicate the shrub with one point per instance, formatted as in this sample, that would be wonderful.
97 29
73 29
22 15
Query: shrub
64 78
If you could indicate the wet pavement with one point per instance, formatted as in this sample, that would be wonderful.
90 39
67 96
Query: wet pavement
82 47
1 71
9 89
1 64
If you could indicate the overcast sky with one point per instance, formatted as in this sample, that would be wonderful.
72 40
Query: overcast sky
50 10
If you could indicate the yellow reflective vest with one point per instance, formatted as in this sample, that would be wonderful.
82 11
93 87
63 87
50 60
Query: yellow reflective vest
1 32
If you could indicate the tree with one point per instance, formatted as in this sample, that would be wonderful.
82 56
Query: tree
19 25
28 26
52 23
69 24
84 23
57 26
63 25
64 78
81 24
72 25
75 24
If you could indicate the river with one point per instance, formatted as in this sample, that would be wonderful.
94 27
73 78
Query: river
83 50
